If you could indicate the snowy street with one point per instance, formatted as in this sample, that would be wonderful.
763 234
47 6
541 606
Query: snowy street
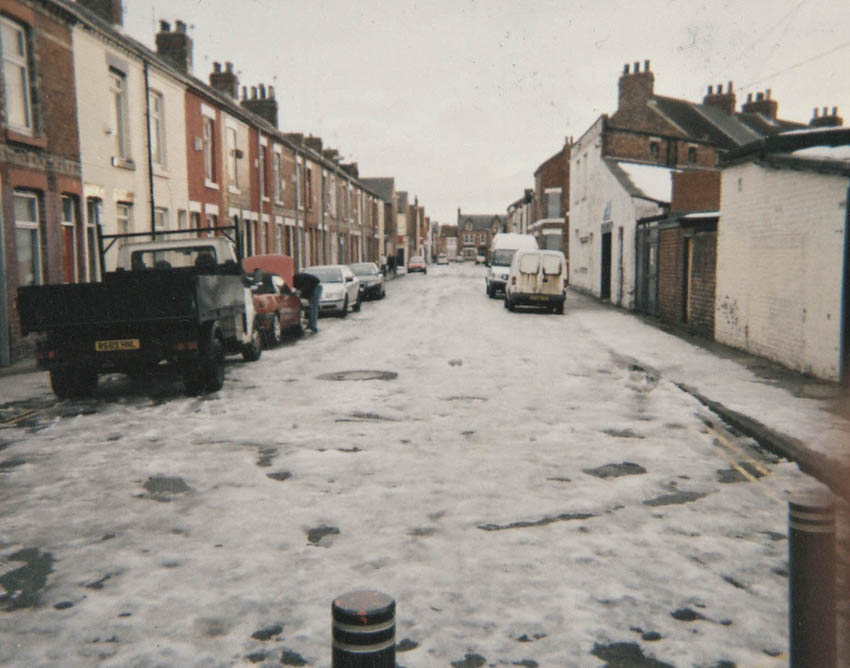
532 489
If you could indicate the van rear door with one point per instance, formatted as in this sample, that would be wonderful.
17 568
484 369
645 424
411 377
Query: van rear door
528 270
552 282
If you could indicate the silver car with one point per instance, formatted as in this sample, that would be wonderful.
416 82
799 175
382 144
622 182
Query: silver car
340 288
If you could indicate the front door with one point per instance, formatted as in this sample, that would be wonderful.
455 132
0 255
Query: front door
605 289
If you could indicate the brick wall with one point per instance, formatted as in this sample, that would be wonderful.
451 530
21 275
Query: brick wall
635 145
702 288
696 190
670 256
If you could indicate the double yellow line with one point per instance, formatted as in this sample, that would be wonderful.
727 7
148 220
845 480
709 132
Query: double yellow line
735 454
11 422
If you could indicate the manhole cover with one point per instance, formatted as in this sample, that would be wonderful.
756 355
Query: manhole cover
363 374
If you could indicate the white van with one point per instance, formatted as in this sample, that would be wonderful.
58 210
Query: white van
537 278
502 250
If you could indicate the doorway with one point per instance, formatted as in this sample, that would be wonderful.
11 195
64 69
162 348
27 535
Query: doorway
605 288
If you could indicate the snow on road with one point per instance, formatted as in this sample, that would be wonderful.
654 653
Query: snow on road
524 491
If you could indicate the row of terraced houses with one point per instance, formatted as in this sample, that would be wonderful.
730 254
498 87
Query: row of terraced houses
725 221
99 130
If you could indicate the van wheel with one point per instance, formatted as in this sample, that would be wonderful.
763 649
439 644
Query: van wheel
510 305
491 291
559 309
207 372
344 308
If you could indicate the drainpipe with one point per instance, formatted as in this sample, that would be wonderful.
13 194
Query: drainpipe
150 156
843 361
261 178
324 229
5 355
297 201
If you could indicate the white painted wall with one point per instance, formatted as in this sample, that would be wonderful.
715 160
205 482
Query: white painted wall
598 197
97 128
780 246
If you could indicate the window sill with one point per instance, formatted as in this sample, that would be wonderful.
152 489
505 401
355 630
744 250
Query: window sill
29 140
210 184
266 199
123 163
161 171
233 190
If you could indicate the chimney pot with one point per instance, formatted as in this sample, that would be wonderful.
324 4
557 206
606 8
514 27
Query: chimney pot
749 97
253 92
710 90
646 66
759 97
625 71
824 112
244 92
835 111
719 88
636 67
164 26
179 26
216 67
228 66
271 92
729 87
262 91
815 112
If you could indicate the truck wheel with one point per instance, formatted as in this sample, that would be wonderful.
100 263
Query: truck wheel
251 351
207 372
72 383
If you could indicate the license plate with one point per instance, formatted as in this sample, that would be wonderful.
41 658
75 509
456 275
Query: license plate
539 298
110 345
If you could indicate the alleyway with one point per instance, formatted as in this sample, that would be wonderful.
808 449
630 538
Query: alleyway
532 489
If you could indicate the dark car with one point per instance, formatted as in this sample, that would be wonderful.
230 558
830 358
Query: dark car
371 280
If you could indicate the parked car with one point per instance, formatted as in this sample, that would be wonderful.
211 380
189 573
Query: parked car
442 258
340 288
279 309
537 278
371 280
502 250
480 259
416 263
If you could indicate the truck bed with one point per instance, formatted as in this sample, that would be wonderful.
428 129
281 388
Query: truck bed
131 296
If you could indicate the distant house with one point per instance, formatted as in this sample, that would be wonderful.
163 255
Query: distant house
520 213
475 231
783 251
621 171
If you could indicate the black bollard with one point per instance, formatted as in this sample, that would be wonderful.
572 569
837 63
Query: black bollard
811 553
363 630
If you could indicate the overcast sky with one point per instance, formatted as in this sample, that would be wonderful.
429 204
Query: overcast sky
461 100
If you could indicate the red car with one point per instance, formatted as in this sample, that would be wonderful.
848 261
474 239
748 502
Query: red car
276 304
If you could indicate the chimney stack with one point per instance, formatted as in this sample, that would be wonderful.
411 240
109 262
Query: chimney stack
721 100
635 88
175 47
225 82
107 10
826 120
264 107
314 143
763 104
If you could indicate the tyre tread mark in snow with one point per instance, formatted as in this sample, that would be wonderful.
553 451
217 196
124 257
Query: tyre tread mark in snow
525 524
